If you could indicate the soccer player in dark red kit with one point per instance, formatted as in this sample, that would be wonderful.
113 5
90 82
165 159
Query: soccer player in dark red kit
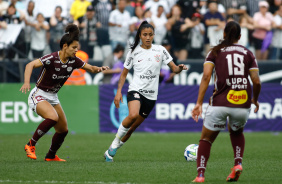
231 100
43 99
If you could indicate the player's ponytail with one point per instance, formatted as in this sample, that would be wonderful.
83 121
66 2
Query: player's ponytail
232 32
71 34
143 25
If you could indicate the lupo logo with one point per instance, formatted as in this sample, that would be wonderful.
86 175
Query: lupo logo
122 111
237 97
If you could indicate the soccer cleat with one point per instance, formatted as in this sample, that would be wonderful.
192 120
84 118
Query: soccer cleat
109 154
30 151
199 180
108 157
55 159
235 173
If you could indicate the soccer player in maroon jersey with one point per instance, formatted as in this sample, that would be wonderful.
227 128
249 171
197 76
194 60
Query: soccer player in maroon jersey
43 99
231 99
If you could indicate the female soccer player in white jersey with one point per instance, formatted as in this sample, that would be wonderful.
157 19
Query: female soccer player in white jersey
146 60
43 99
231 100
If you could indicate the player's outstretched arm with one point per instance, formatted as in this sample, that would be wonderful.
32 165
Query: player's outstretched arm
121 81
176 69
27 73
94 69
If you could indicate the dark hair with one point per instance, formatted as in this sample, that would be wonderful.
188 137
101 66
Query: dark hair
71 34
143 25
59 8
118 48
232 32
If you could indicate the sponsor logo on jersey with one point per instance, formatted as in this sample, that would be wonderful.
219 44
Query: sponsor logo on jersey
146 91
57 69
54 76
64 66
237 97
57 61
137 53
166 54
140 60
48 62
158 58
69 69
148 75
47 58
129 61
72 61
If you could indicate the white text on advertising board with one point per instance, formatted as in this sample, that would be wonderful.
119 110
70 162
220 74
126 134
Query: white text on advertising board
172 111
14 112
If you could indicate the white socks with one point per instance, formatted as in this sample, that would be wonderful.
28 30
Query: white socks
120 134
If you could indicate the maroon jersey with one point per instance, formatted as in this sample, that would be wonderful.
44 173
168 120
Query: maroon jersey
232 66
54 72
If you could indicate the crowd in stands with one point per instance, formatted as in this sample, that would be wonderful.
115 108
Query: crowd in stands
191 27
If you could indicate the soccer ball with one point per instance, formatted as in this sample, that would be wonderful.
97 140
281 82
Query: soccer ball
190 153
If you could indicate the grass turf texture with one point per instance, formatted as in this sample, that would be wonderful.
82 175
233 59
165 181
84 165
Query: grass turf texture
145 158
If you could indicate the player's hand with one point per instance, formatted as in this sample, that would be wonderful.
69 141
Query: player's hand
103 68
25 87
117 99
197 112
256 104
183 67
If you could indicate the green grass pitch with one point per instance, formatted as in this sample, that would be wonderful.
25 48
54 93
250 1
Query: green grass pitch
147 158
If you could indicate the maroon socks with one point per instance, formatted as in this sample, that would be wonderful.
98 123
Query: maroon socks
203 156
43 128
238 144
57 141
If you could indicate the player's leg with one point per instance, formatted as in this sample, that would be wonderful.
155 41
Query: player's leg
145 109
238 144
215 120
237 120
61 129
46 111
133 108
207 138
133 127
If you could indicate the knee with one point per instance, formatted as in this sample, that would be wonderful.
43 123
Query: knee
133 116
62 131
54 117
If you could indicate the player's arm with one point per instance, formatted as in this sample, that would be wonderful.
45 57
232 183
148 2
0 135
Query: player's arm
197 111
176 69
121 81
254 74
27 74
94 69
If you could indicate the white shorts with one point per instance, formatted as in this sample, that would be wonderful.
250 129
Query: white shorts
216 117
37 95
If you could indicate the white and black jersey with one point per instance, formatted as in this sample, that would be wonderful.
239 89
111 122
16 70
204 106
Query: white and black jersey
146 64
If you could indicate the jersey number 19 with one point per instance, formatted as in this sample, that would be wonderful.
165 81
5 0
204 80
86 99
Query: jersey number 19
236 64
